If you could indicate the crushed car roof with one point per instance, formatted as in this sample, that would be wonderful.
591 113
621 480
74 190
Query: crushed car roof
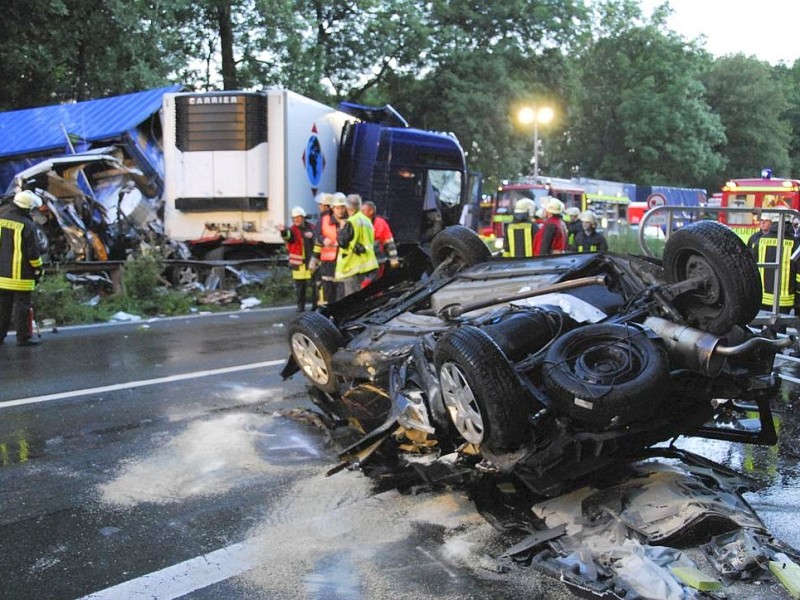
44 128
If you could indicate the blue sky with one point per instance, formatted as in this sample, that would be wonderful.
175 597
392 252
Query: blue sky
762 28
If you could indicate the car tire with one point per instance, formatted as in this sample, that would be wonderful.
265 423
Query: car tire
606 374
710 250
480 390
184 275
457 247
314 340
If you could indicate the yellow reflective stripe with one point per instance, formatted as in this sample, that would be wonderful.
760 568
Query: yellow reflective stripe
16 261
17 285
785 295
527 230
36 263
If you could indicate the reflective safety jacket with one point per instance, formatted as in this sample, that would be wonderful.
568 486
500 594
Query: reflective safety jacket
518 239
299 243
551 238
19 251
766 248
325 242
594 242
384 240
356 247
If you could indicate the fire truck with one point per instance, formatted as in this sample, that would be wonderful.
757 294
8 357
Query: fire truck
762 194
570 193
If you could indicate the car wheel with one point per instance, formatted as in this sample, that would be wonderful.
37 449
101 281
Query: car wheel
457 247
606 374
314 340
711 251
480 390
184 275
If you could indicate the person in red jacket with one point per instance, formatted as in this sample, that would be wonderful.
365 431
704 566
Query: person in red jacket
552 235
299 240
385 248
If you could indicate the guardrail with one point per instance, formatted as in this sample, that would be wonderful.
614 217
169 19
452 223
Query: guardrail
687 213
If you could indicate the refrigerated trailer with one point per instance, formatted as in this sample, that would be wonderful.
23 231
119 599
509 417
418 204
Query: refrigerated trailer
237 162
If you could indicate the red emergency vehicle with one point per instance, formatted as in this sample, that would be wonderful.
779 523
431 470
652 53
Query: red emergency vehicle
509 193
758 195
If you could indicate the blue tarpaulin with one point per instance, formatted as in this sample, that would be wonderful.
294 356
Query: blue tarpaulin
44 129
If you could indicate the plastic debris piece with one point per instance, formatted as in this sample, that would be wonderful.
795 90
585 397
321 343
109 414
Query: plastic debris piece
696 578
788 573
123 317
250 302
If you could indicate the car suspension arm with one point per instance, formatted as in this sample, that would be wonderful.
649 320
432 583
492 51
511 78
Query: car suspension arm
453 311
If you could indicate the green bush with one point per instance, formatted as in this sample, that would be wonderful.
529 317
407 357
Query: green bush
144 293
142 277
56 298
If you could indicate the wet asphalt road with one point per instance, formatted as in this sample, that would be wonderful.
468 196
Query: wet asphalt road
174 477
193 487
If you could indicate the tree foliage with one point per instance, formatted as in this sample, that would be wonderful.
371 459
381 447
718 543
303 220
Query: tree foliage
633 100
640 113
752 105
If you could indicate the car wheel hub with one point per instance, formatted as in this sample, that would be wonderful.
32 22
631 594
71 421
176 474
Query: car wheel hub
309 359
461 404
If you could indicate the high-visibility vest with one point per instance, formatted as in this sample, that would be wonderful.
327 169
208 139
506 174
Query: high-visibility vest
518 240
297 247
19 252
348 263
328 231
767 251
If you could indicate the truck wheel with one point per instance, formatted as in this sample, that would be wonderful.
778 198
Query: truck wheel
314 341
481 391
457 247
606 374
711 251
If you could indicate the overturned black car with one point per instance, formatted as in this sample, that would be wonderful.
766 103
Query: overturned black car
547 369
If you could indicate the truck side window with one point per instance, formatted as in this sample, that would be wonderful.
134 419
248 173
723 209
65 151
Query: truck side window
446 187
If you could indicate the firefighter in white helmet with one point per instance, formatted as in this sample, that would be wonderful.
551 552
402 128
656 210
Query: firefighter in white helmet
20 266
519 233
588 239
299 238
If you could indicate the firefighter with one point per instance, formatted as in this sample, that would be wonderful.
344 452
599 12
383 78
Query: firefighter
20 267
356 260
764 246
574 225
299 238
588 239
385 247
324 260
519 234
552 236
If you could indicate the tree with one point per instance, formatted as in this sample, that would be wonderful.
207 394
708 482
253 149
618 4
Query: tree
70 50
752 104
639 112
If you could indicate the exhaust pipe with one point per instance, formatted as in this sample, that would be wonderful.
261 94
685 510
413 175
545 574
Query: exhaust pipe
700 351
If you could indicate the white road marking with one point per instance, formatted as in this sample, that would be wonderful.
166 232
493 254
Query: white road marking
136 384
186 577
